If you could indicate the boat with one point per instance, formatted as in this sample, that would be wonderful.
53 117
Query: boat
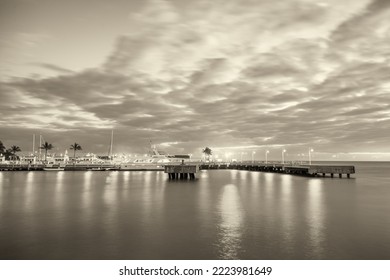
50 166
147 164
53 168
155 161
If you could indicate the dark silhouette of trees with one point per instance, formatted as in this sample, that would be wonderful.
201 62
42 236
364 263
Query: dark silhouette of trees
46 146
13 151
75 147
207 151
9 153
2 148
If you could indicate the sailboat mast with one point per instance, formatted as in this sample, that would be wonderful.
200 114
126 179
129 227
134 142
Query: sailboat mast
40 145
33 147
111 142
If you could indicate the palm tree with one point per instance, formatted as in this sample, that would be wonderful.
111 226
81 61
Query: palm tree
207 151
15 149
2 148
75 147
46 147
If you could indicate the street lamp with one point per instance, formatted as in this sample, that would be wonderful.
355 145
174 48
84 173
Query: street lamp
310 151
253 155
266 156
284 150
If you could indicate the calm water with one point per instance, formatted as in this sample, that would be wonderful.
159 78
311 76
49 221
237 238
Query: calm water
224 214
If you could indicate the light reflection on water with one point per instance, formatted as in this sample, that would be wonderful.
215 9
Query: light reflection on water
126 176
234 174
86 199
315 216
223 214
254 176
29 194
230 227
287 212
58 191
147 197
110 197
269 186
203 174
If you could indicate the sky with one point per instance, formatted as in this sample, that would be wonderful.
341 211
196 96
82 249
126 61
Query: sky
240 77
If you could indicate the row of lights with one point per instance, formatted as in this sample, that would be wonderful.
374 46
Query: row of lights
283 151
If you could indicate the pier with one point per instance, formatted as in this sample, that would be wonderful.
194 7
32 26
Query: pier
308 170
67 167
181 171
189 169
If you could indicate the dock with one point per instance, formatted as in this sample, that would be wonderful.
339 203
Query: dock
305 170
188 170
181 171
67 167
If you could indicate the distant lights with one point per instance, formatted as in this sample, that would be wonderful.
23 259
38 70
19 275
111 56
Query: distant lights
284 150
310 151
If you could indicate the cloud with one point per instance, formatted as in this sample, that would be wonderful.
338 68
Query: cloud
216 73
54 68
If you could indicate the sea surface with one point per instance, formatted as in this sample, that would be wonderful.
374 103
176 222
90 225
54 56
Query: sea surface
223 214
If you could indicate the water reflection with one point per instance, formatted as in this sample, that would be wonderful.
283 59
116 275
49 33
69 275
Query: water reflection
269 178
287 213
151 196
234 174
112 179
85 216
1 183
203 174
110 189
230 228
111 204
86 196
254 178
87 180
286 186
29 194
269 186
315 216
58 194
126 176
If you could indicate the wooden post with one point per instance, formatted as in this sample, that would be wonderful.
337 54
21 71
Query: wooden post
340 175
331 175
348 176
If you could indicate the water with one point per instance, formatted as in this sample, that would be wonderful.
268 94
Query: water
224 214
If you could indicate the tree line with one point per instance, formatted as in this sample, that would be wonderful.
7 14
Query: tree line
10 153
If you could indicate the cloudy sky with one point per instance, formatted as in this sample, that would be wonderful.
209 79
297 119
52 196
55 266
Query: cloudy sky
238 76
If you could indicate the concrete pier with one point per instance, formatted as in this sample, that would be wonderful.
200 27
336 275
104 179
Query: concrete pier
68 167
181 171
308 170
184 171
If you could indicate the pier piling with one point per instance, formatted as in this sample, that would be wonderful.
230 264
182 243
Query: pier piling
181 171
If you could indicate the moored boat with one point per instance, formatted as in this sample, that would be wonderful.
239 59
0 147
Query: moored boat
154 162
54 167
